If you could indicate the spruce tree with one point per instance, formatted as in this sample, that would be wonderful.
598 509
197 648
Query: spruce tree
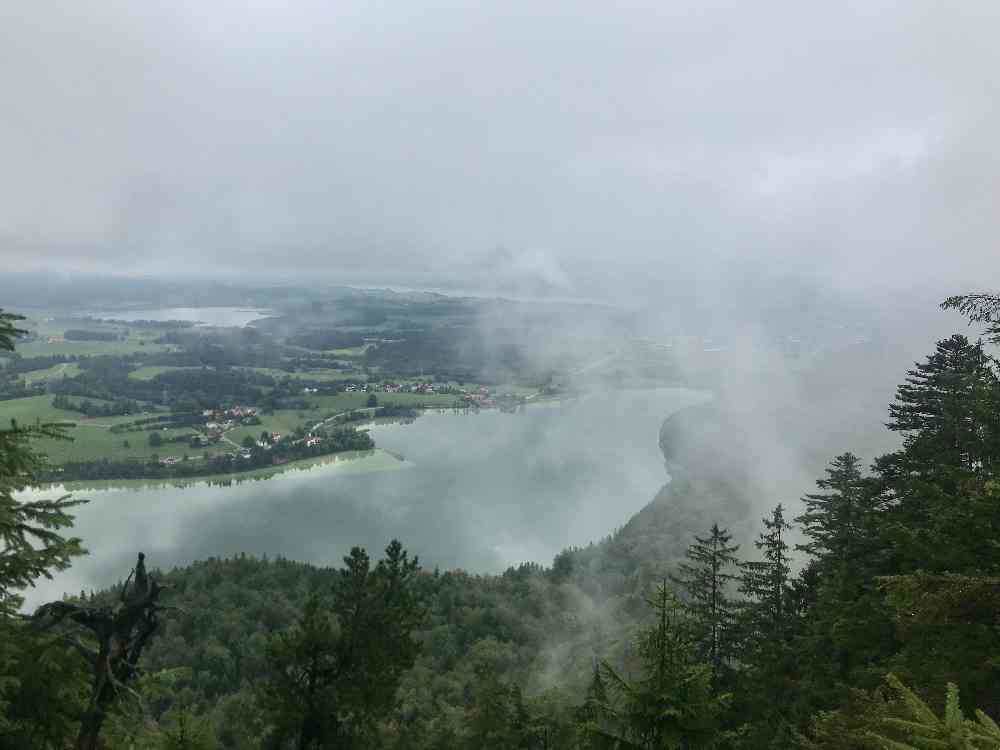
300 693
597 694
706 581
947 410
921 727
40 683
845 622
834 519
498 718
554 722
31 542
672 705
765 582
187 732
769 675
335 673
947 631
594 711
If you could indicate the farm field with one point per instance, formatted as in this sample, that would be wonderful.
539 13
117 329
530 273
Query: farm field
93 442
331 376
64 370
89 348
90 439
50 330
283 421
151 371
26 410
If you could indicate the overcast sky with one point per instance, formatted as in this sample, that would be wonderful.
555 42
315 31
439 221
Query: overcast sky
854 141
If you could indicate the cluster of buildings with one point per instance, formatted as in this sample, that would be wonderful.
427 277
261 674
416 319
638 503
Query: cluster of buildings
360 387
479 397
484 399
387 387
268 439
217 421
413 388
268 442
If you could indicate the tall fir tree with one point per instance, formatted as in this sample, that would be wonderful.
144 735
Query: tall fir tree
947 410
769 675
32 544
42 684
936 487
592 714
300 696
673 704
765 583
706 581
497 717
834 519
335 673
843 626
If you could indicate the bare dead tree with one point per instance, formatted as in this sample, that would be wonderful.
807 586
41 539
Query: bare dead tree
121 632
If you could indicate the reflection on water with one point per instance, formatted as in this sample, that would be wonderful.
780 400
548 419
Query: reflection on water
479 491
210 316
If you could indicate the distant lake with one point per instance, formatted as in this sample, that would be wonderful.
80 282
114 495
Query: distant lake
480 491
209 316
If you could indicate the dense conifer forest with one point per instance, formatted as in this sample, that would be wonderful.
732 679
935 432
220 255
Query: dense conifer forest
869 619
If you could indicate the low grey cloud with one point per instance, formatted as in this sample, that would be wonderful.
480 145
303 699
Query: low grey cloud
583 144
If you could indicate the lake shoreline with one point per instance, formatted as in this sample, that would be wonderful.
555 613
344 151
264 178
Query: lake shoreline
270 472
304 464
254 475
504 488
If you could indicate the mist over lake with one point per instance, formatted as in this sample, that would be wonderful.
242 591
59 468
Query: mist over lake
480 491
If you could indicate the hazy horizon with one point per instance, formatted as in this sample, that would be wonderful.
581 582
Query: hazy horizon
586 150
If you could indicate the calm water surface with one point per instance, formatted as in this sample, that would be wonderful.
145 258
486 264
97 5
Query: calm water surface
209 316
479 491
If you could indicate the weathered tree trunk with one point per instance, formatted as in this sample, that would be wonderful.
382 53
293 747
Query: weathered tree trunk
93 719
121 632
90 730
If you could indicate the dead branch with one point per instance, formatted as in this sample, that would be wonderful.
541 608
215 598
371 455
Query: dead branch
121 633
